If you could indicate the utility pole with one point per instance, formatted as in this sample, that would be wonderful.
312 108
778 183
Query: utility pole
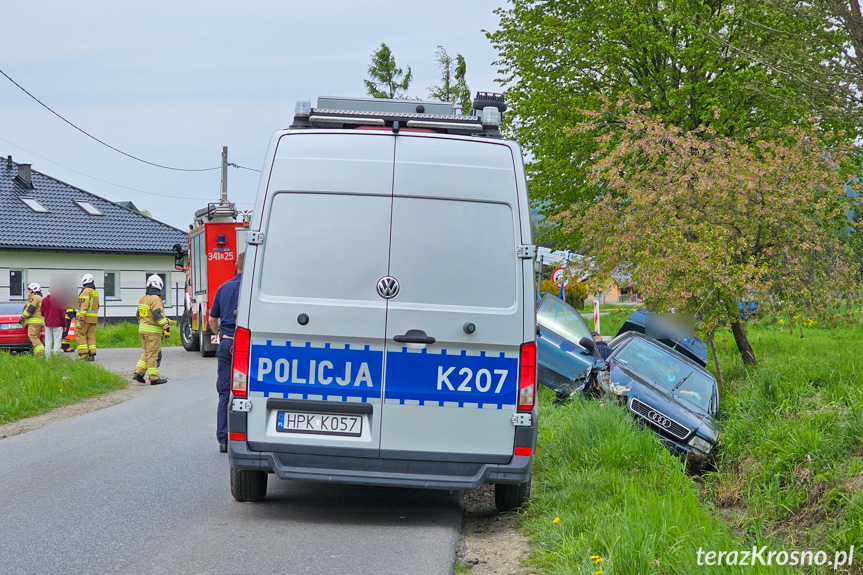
224 174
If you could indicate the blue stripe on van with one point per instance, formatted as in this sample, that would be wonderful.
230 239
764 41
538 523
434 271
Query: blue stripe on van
448 378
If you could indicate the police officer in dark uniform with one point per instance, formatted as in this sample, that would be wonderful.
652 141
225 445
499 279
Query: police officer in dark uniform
223 320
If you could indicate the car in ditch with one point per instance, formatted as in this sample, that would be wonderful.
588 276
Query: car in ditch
667 392
663 389
561 359
13 335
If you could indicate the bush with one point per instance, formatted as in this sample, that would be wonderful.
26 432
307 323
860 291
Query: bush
574 294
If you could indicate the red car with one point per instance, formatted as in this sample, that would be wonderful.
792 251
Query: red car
13 336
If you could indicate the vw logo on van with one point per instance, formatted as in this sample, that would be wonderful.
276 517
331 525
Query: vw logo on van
388 287
659 419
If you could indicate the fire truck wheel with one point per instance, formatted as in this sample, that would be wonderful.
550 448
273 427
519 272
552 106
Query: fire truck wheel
248 484
187 336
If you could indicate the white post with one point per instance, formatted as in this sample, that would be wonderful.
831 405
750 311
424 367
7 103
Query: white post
596 316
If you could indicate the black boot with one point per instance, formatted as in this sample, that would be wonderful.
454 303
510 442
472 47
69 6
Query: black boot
139 377
159 381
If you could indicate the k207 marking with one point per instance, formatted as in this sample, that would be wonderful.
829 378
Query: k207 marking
482 382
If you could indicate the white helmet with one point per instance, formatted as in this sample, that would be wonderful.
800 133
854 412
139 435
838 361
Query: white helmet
155 281
34 287
87 279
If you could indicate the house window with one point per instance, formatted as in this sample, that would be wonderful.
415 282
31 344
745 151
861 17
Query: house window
109 288
89 208
34 205
16 284
165 289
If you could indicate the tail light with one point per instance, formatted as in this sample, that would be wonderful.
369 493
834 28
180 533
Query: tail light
527 376
240 380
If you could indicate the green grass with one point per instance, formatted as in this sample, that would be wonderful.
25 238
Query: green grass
126 335
618 494
792 454
789 475
31 385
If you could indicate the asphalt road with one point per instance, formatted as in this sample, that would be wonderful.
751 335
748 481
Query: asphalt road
141 488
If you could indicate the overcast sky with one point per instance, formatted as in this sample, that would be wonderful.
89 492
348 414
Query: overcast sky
173 82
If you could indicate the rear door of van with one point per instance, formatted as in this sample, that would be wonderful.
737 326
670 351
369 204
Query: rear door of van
317 322
455 232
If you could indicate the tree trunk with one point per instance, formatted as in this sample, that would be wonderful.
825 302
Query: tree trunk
712 341
746 353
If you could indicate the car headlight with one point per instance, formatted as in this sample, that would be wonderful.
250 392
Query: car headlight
700 444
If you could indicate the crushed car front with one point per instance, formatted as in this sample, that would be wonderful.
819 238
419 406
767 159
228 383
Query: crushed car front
669 394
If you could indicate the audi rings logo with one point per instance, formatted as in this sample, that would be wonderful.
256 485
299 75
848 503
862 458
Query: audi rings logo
388 287
659 419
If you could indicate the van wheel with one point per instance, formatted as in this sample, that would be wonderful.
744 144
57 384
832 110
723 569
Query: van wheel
187 336
248 484
511 496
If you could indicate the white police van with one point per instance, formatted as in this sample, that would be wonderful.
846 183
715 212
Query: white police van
386 319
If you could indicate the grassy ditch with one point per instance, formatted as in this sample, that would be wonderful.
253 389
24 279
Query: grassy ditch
792 459
790 473
30 385
126 335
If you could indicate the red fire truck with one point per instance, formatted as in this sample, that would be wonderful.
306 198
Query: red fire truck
216 237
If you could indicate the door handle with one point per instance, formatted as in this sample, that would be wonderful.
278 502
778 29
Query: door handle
414 336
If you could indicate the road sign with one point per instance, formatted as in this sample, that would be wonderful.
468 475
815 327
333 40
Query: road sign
559 277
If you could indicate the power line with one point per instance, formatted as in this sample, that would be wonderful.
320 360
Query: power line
111 183
41 103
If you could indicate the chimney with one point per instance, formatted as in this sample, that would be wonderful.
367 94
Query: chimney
9 162
24 175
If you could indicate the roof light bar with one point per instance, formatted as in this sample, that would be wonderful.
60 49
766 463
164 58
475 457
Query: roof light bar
444 125
347 120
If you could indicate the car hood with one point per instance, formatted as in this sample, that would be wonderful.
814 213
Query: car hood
657 398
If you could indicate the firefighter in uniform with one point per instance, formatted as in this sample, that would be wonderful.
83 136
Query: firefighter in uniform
86 319
152 325
31 317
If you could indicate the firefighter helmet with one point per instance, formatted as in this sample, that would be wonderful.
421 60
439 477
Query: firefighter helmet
87 279
155 281
34 287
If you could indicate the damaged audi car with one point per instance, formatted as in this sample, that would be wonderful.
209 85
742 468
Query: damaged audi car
662 389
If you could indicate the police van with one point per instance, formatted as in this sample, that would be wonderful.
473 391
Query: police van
386 323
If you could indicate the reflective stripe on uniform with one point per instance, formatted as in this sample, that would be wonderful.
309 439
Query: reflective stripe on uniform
145 328
39 349
34 321
141 364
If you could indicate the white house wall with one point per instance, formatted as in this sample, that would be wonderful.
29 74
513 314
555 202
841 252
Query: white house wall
131 270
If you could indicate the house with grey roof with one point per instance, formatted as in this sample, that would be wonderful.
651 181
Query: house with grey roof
52 232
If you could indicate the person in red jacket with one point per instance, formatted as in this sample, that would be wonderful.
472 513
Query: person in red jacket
54 312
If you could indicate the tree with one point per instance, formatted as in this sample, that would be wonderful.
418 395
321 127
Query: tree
386 79
696 67
559 58
711 220
453 86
